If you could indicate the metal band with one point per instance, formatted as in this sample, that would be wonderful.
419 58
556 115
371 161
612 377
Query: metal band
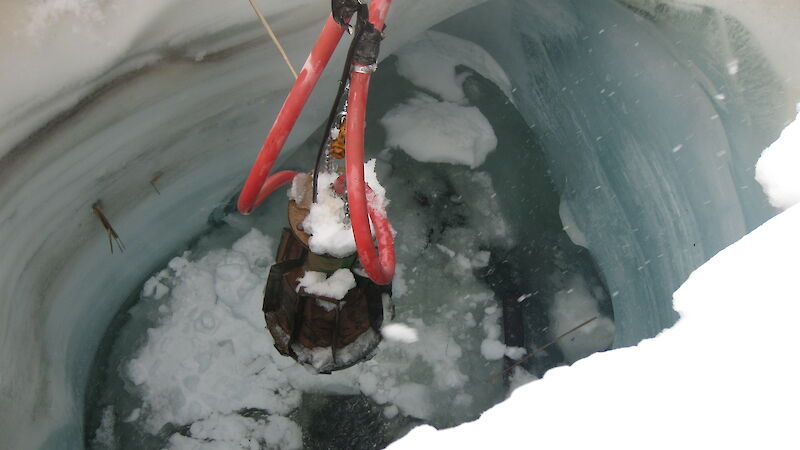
358 68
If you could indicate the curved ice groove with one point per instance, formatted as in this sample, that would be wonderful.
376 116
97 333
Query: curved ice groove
621 174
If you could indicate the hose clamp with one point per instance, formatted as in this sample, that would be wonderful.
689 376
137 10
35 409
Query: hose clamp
368 69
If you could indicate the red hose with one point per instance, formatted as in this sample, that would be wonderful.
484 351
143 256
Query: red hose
257 181
273 182
378 264
258 186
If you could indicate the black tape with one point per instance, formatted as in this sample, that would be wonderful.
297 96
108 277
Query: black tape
368 45
343 10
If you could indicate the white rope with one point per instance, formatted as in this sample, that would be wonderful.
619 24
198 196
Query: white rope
274 38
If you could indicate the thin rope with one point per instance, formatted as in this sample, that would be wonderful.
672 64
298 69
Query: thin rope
274 38
541 349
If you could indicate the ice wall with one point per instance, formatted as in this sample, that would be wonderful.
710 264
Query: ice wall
110 94
652 141
166 101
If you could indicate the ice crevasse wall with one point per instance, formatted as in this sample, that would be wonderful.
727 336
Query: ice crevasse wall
651 113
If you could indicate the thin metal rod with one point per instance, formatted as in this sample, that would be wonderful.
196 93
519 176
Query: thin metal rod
542 348
274 38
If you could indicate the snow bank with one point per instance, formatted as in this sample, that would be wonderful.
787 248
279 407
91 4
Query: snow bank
778 169
722 377
433 131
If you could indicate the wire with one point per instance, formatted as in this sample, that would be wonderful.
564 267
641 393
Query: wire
543 348
363 18
274 38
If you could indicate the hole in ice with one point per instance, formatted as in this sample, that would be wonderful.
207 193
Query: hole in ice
189 360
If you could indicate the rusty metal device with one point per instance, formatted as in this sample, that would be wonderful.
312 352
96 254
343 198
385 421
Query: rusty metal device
323 333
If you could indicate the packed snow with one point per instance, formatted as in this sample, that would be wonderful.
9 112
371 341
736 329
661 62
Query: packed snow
327 220
778 169
336 286
429 130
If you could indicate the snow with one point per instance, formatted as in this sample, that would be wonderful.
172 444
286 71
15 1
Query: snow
297 191
327 221
222 431
399 332
336 286
203 354
378 197
432 131
722 377
104 435
778 169
430 62
206 352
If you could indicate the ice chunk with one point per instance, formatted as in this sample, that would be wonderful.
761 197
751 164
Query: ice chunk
778 169
413 399
492 349
433 131
570 308
398 332
570 227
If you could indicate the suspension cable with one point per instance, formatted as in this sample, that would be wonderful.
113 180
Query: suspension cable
274 37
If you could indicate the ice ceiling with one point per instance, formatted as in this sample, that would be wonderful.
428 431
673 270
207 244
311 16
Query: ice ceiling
651 115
